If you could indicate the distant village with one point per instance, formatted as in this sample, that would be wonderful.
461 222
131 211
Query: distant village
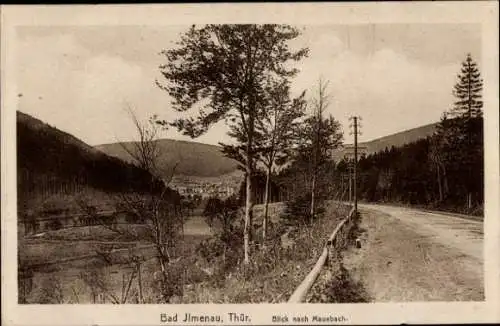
205 189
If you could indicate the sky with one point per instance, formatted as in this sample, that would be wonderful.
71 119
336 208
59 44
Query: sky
81 79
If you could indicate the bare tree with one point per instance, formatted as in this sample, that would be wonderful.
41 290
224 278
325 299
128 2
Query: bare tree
145 151
158 208
319 103
317 136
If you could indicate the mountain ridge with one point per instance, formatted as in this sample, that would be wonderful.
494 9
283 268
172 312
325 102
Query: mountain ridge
169 139
397 139
198 159
207 161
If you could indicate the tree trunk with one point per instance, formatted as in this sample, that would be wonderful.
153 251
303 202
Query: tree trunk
161 259
248 211
445 183
266 204
139 282
440 186
313 190
162 254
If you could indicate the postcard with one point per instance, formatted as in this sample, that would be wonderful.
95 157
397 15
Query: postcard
250 163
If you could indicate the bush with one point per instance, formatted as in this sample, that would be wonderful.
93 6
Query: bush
298 210
210 249
50 291
55 225
169 285
223 244
225 248
131 218
342 288
221 212
267 259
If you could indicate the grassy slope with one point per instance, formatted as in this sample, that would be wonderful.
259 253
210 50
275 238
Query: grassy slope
196 159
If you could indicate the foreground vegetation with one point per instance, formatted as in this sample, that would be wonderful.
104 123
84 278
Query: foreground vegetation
276 269
199 272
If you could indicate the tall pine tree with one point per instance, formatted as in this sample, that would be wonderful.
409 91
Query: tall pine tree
460 136
468 91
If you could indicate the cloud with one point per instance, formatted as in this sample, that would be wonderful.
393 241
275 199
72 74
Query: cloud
387 89
46 67
84 92
68 86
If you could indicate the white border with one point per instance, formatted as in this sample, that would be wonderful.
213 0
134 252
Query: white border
484 13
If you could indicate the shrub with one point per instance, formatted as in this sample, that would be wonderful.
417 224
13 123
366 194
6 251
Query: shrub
224 245
210 249
49 292
298 210
343 289
169 285
221 212
131 218
55 224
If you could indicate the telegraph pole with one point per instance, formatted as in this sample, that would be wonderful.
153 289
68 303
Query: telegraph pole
349 177
356 132
347 183
355 164
350 186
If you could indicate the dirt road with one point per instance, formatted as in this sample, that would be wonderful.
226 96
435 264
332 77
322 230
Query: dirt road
410 255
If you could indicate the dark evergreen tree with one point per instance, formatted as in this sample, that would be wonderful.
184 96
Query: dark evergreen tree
459 139
468 90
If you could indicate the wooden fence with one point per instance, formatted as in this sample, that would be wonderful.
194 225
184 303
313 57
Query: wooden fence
331 254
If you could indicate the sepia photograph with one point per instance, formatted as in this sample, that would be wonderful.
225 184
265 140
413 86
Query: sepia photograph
278 161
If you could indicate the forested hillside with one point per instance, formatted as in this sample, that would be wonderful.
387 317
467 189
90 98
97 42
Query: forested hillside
50 162
398 139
